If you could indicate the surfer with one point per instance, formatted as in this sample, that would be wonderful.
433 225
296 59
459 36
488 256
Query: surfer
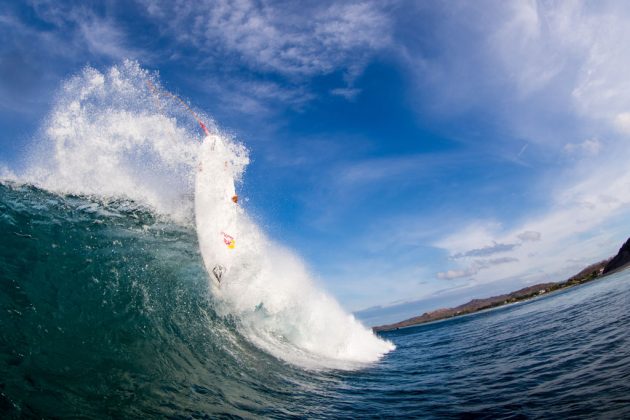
218 270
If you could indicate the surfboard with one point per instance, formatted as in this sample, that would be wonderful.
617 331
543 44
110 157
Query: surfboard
216 211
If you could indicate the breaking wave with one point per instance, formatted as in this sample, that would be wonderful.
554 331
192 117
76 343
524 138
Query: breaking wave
112 137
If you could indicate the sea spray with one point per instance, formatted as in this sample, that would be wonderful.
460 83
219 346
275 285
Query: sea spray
110 136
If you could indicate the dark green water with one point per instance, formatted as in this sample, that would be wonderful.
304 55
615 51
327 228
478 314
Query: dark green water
105 312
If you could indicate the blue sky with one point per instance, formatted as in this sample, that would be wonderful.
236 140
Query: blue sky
415 154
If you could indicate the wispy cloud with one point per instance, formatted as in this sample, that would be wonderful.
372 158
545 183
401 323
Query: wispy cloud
529 235
622 122
540 68
85 30
61 35
368 171
293 40
348 93
255 97
486 250
584 221
588 148
457 274
410 168
104 38
474 268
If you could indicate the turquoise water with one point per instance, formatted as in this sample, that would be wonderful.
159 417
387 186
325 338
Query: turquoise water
106 312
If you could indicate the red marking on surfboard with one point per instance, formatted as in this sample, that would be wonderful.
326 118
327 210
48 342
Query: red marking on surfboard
181 101
204 128
228 240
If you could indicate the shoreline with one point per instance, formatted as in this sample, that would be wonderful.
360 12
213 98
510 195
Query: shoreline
590 273
505 305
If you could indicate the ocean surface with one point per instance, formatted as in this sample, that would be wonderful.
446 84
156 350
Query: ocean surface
106 312
109 234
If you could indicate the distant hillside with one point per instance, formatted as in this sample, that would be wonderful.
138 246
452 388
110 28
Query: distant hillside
589 273
470 307
620 260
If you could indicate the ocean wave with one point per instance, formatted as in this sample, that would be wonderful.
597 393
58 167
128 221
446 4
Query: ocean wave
113 140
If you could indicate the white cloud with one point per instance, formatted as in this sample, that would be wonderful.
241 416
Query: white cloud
103 38
542 69
564 47
411 168
475 267
377 170
349 93
254 97
85 30
475 235
587 148
72 35
294 40
581 222
495 248
529 236
457 274
622 121
353 25
523 35
497 261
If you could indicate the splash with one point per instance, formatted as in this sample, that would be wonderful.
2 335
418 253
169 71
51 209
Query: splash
109 136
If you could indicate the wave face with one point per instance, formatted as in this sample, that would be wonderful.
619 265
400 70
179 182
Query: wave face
117 136
106 312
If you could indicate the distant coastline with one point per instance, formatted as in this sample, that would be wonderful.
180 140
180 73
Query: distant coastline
590 273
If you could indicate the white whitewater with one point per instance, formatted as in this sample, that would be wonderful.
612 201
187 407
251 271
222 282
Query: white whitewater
109 136
266 286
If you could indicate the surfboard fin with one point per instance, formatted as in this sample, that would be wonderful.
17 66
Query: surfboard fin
218 271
